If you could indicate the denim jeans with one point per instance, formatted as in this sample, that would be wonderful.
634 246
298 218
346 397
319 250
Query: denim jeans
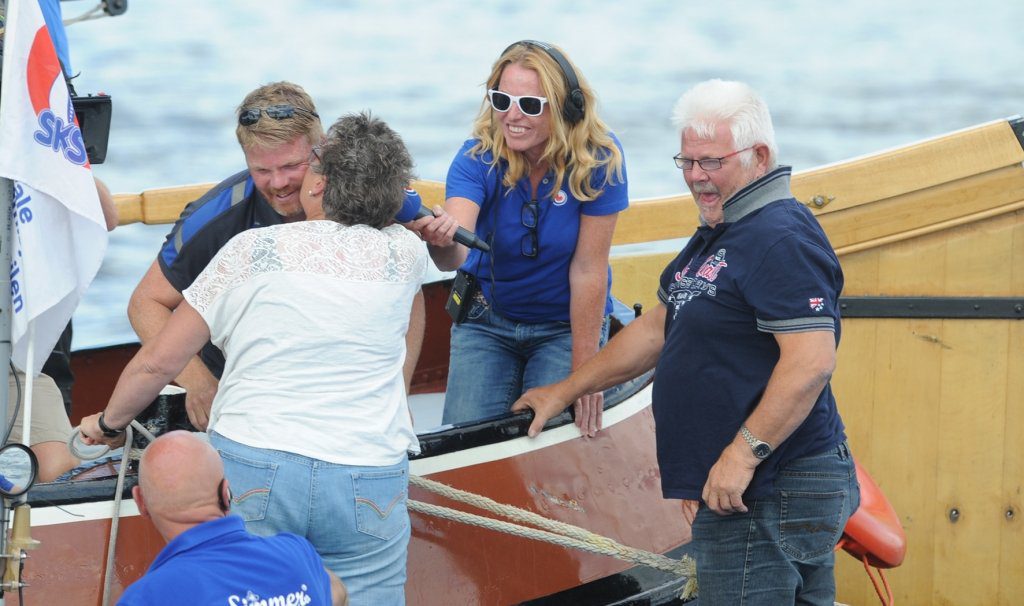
356 517
494 360
782 550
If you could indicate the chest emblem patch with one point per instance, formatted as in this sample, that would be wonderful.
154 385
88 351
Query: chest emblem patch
712 265
559 198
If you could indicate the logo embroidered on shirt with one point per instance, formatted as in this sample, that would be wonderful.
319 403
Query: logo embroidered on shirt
296 598
559 198
712 265
816 303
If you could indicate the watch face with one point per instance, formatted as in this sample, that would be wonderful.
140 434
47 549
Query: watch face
762 450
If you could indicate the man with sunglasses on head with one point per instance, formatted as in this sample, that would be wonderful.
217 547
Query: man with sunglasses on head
210 558
277 128
744 345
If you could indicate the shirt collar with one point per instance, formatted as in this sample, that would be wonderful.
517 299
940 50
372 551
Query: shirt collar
198 535
757 194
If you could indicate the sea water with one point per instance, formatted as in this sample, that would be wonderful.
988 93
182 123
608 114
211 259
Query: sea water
842 79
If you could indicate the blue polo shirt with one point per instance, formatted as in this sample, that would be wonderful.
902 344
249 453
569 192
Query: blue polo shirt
768 268
219 562
521 288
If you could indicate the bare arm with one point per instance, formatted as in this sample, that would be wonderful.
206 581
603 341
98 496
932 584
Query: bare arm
806 362
633 351
438 232
588 287
149 310
107 204
339 595
151 369
414 338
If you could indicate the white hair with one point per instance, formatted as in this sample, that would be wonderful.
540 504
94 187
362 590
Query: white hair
712 102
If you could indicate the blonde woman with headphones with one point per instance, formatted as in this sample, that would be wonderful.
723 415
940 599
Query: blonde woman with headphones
541 180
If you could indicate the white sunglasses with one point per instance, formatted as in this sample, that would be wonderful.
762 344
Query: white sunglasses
528 104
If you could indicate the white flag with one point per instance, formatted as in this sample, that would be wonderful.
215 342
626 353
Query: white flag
58 235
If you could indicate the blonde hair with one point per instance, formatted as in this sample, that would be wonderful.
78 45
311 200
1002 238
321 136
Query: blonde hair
578 149
268 132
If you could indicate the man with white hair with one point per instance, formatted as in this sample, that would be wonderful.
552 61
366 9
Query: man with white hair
744 343
210 558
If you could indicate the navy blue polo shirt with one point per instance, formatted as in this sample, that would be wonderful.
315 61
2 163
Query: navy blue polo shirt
206 225
219 562
767 268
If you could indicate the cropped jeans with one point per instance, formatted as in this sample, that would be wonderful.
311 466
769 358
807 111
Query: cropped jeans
356 517
782 550
495 359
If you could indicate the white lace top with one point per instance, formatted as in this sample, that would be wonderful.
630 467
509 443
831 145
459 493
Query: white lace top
312 318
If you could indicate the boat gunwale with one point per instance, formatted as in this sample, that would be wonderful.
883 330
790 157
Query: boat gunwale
444 440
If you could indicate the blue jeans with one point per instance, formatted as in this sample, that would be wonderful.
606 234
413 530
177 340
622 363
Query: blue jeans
356 517
494 360
782 550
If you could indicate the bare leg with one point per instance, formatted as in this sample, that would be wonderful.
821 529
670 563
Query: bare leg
54 460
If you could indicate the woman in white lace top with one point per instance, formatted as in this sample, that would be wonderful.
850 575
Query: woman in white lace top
311 416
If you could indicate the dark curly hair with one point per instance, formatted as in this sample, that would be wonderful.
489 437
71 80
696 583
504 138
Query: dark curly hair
366 167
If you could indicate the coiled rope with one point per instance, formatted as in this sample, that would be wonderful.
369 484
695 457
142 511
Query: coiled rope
554 532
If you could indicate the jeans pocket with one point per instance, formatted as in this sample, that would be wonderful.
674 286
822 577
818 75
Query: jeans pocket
251 483
810 522
477 309
380 502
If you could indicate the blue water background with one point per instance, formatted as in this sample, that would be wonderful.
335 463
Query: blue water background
842 78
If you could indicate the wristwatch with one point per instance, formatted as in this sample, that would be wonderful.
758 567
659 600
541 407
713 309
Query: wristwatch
107 431
762 450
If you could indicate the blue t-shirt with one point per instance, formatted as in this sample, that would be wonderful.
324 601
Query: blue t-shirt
767 269
522 288
219 562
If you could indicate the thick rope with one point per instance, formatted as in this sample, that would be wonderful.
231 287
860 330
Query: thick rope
87 15
115 518
555 532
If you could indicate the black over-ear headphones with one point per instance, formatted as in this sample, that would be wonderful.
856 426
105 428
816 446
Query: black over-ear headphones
572 109
223 502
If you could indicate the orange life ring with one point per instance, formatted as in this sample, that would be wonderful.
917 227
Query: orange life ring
874 531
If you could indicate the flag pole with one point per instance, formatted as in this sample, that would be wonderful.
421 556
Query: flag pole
6 202
6 199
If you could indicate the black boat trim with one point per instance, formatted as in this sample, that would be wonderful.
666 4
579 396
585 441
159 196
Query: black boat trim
635 586
506 427
950 308
1017 124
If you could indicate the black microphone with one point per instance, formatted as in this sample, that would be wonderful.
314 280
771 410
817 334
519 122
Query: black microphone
413 208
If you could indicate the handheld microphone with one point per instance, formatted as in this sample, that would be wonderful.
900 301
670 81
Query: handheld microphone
413 208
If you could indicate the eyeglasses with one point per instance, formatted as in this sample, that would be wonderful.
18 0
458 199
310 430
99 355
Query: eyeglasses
528 104
251 115
529 246
705 163
314 154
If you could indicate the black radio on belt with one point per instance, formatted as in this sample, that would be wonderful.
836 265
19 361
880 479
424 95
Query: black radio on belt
459 299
